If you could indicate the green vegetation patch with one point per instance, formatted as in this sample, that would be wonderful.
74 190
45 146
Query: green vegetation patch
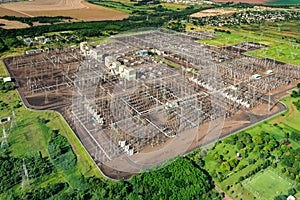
283 2
182 179
247 155
61 151
267 185
282 38
227 38
40 19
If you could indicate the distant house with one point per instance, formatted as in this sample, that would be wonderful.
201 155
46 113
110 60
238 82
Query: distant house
143 53
7 79
33 51
39 38
27 41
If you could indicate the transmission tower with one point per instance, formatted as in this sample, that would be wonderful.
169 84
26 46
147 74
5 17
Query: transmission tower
13 121
4 142
25 181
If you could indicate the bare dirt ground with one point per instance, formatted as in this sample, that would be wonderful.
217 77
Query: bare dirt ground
77 9
45 5
213 12
243 1
4 11
262 109
12 24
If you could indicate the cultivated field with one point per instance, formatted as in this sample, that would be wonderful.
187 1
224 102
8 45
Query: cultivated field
267 185
76 9
12 24
4 11
213 12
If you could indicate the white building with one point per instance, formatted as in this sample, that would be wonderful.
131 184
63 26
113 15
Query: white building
7 79
84 49
127 72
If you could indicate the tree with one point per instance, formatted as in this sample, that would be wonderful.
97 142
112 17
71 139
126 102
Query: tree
280 197
233 162
292 191
225 166
241 178
295 136
184 180
257 140
298 187
201 162
240 145
286 135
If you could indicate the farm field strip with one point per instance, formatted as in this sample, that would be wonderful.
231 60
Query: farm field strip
79 10
9 12
12 24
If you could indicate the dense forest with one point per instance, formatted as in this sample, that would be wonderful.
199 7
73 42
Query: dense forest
182 179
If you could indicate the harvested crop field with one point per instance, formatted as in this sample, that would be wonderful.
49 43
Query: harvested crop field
213 12
4 11
76 9
12 24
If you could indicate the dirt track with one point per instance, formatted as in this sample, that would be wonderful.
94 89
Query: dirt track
77 9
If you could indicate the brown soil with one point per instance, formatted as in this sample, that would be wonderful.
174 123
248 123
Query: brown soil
12 24
8 12
77 9
284 88
39 24
262 109
213 12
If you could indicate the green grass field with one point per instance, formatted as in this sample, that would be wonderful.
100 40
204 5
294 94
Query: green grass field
28 137
283 2
286 122
267 184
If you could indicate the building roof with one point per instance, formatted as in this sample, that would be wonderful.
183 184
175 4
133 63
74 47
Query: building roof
7 79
